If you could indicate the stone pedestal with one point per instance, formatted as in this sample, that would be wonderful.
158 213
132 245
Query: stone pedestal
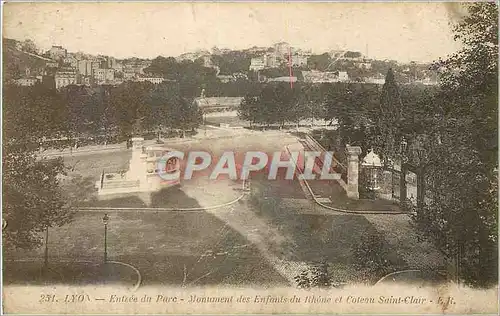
138 166
353 153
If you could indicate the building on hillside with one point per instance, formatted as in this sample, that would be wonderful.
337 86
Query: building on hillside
226 78
240 75
85 67
207 61
282 79
299 60
129 74
377 79
258 63
274 61
102 76
315 76
136 67
154 80
95 64
208 104
364 64
281 49
26 82
110 62
70 61
427 81
52 64
57 52
117 65
84 80
65 77
342 76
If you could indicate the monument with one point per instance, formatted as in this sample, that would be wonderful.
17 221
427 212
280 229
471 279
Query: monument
142 174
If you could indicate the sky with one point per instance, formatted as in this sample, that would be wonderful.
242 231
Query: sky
401 31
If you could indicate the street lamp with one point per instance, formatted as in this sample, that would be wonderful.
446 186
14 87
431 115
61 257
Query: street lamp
105 220
404 146
372 165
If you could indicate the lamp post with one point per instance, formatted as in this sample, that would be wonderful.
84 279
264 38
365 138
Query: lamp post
105 220
404 146
46 252
372 164
402 178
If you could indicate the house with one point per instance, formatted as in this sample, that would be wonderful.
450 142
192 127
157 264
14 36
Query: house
65 77
258 63
104 75
377 79
84 80
84 67
315 76
27 82
282 79
364 64
70 61
342 76
299 60
52 64
154 80
218 103
226 78
281 48
129 74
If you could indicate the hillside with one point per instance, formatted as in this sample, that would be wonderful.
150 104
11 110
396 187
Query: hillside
15 61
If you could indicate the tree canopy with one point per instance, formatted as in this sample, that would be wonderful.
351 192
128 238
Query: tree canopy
462 175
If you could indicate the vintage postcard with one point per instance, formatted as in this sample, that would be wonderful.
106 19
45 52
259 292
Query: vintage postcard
250 158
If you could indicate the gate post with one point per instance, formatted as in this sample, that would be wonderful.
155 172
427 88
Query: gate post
353 153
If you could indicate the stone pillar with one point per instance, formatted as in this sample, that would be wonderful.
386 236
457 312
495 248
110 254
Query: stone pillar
137 165
353 153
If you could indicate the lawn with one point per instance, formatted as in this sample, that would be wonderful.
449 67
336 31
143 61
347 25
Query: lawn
70 272
171 248
313 235
92 165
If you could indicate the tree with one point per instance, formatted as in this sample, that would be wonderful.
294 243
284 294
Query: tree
130 103
352 106
32 197
33 201
389 120
29 46
185 114
461 215
248 109
319 62
232 62
350 54
317 275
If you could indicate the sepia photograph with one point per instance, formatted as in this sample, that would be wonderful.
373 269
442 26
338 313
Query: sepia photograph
250 157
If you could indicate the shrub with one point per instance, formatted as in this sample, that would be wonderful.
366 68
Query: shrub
371 257
317 275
